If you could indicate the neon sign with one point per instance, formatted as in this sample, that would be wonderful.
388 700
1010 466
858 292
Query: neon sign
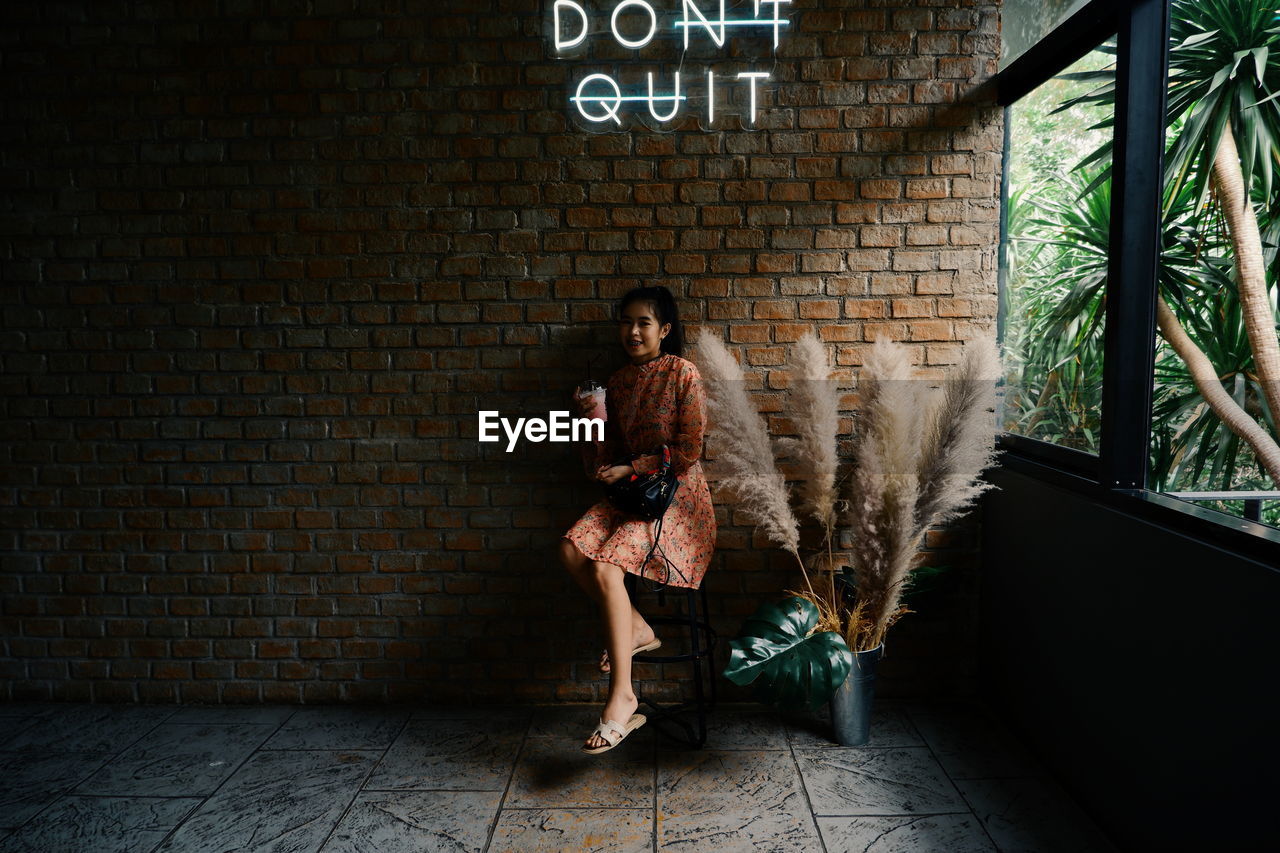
634 24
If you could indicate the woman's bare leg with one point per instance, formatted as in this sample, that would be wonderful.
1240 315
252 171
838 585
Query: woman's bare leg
616 609
580 567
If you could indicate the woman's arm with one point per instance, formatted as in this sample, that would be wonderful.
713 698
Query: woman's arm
611 451
691 421
691 424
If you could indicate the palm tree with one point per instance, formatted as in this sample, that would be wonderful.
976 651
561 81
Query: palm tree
1056 329
1224 125
1224 78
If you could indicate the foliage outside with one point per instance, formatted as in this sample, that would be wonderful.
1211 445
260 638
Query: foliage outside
1217 378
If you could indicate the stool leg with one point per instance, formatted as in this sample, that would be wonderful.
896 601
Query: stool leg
701 646
711 644
691 609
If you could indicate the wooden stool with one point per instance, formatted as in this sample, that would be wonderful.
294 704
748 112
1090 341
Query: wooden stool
702 643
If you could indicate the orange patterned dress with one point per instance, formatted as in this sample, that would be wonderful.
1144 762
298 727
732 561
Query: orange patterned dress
659 402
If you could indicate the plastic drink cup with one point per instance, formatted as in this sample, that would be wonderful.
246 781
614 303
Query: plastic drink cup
596 392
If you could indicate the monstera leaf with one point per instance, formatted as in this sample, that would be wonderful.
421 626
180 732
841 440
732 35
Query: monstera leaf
792 666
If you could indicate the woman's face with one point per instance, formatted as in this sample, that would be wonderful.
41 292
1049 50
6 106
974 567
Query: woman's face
641 333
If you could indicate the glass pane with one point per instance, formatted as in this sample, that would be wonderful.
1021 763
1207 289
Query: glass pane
1214 435
1054 259
1025 22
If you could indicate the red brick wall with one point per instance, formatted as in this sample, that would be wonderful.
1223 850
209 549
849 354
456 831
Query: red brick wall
263 262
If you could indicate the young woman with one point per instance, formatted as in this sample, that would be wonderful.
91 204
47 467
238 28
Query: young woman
657 399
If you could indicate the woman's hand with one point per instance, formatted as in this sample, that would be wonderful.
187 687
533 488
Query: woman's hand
611 474
584 405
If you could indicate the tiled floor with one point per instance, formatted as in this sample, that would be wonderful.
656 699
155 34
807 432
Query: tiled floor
105 778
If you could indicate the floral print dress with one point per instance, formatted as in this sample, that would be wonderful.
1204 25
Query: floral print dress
659 402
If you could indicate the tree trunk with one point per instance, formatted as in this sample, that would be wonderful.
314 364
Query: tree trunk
1242 224
1222 403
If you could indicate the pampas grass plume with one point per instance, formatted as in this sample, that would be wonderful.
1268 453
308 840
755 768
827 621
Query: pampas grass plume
885 484
814 406
957 445
746 465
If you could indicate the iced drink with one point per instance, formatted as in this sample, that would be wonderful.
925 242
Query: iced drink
595 391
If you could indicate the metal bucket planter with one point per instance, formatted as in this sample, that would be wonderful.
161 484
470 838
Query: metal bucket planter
851 703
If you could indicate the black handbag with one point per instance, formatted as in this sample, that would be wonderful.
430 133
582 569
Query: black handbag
646 495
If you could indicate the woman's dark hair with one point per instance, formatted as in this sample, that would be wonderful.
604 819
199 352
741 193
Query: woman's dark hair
664 308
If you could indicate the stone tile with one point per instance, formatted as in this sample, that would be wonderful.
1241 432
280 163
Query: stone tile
29 709
732 800
555 772
416 822
564 721
738 728
861 781
100 825
340 728
704 780
890 726
30 781
1033 816
278 801
12 727
560 830
449 755
88 728
777 831
472 712
175 759
905 834
971 745
227 715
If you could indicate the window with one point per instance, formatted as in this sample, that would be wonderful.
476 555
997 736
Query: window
1025 22
1173 410
1054 256
1214 424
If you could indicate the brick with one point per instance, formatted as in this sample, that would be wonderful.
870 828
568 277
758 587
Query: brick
956 308
835 238
881 189
868 259
775 309
826 309
753 287
685 263
913 307
930 330
879 236
865 309
816 167
925 188
857 213
935 283
840 333
909 261
821 262
927 235
772 263
749 334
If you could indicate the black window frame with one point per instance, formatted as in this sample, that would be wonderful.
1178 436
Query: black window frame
1117 476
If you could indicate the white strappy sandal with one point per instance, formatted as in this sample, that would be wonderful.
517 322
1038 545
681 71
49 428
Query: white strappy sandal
613 733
